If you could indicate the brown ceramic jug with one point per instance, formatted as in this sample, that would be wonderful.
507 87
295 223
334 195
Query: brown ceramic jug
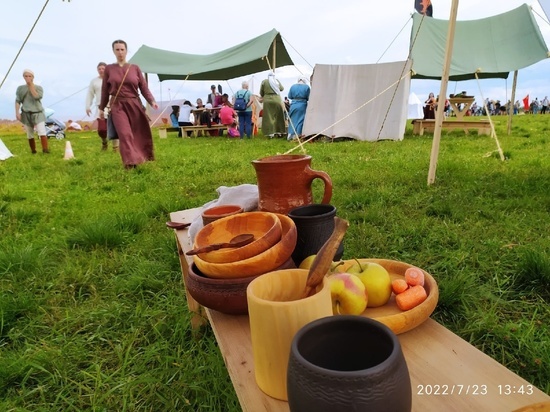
284 182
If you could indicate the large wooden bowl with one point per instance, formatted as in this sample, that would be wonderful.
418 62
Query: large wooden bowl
266 228
397 320
224 295
264 262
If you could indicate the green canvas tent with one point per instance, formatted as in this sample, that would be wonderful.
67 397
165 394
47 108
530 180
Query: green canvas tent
256 55
491 47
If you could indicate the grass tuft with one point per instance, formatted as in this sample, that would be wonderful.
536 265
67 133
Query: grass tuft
533 273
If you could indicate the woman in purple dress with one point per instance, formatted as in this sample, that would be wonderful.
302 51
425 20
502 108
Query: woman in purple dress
120 91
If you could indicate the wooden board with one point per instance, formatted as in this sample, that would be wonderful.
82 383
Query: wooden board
390 315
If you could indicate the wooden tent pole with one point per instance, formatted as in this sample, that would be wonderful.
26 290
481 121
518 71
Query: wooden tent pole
274 53
443 92
512 100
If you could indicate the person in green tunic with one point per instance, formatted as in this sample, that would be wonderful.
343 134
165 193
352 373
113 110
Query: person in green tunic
273 120
30 112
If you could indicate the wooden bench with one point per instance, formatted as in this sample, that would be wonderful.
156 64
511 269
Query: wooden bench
163 133
428 125
195 130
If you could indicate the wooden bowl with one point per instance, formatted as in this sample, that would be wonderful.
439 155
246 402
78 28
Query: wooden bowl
217 212
263 262
266 228
224 295
390 315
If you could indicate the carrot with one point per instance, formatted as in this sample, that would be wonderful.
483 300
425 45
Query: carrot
412 297
414 276
399 285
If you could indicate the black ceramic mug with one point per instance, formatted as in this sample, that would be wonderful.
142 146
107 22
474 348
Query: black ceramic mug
314 225
347 363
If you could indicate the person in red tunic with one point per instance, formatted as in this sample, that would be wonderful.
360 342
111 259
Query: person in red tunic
120 91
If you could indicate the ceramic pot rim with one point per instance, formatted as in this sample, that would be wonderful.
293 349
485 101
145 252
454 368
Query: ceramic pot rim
226 210
281 158
295 213
382 366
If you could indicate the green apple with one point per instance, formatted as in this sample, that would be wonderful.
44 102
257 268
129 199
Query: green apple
308 261
348 294
376 279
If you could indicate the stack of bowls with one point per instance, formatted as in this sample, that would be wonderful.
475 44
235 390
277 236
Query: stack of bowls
218 279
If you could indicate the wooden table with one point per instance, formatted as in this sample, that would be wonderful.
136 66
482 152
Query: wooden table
198 111
447 373
457 101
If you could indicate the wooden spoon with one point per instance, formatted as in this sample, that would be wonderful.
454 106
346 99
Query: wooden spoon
177 225
237 241
323 259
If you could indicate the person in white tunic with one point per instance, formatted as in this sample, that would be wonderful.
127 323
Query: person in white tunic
92 100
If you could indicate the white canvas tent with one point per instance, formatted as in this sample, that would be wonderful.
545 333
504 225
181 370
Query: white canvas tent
4 151
416 108
359 101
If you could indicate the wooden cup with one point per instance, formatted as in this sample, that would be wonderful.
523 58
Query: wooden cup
276 313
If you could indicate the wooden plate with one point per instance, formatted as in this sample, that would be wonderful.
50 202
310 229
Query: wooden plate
397 320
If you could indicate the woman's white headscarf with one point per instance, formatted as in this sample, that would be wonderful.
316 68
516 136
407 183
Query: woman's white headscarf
273 83
302 79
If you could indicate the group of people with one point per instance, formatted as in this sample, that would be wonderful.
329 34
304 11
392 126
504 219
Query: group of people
117 89
122 118
274 108
430 106
539 106
492 107
275 113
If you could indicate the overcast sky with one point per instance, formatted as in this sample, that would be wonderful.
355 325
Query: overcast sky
70 38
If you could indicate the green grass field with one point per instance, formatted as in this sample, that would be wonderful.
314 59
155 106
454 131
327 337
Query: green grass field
92 307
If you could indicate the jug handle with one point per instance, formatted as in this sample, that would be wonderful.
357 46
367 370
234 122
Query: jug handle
316 174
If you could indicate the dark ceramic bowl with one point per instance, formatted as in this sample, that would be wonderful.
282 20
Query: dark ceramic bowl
224 295
347 363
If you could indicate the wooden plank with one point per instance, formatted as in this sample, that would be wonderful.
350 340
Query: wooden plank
438 360
164 130
464 378
184 244
421 125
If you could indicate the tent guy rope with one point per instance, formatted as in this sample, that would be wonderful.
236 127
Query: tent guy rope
402 72
493 132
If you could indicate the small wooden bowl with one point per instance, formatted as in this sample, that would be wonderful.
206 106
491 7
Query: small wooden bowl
224 295
217 212
389 314
264 262
266 228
